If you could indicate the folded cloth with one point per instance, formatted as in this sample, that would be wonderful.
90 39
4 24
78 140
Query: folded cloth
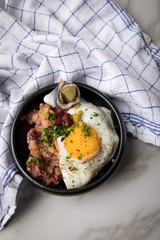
94 42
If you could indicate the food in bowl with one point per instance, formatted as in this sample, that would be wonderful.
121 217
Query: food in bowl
70 144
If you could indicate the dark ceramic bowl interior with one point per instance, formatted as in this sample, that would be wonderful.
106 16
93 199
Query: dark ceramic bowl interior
20 147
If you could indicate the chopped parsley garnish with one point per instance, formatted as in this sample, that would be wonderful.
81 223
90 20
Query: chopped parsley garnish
87 134
36 160
51 145
68 157
59 131
47 135
30 161
45 148
52 116
72 128
86 129
95 114
74 168
54 131
80 156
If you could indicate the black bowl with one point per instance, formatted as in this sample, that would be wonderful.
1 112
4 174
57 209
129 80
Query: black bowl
20 147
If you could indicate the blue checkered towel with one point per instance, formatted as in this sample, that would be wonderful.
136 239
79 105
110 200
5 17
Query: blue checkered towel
90 41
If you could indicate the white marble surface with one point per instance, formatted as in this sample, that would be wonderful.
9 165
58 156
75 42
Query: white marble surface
126 207
147 15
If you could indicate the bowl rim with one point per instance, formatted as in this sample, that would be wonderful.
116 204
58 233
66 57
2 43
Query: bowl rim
91 185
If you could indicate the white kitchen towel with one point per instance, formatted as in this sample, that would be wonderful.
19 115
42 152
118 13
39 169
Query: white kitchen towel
90 41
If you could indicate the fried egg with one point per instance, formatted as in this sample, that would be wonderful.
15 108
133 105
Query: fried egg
92 142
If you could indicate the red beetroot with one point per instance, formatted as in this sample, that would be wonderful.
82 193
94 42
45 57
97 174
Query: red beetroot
59 112
58 121
67 123
63 118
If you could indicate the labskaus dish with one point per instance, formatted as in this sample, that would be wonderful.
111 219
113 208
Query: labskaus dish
68 141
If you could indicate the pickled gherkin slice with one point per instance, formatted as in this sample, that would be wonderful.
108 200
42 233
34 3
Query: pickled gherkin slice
69 94
65 95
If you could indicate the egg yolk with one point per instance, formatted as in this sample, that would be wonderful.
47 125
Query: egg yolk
82 142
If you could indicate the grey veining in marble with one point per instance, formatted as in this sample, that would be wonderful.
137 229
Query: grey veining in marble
147 15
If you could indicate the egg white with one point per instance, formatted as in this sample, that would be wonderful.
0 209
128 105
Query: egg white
75 172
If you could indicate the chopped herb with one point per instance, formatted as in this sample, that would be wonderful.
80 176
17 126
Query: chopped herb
80 156
77 125
30 161
51 145
72 181
86 129
74 168
95 114
52 116
72 128
45 148
54 131
71 141
98 124
59 131
68 157
87 134
47 135
38 160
